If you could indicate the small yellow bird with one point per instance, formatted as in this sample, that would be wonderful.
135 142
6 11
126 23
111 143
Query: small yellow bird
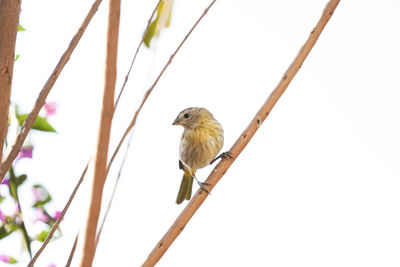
202 139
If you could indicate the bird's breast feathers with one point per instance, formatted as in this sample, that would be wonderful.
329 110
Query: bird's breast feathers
200 146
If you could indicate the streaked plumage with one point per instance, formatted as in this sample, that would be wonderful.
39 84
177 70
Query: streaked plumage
202 139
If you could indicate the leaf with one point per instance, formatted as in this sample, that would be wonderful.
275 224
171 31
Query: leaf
42 236
13 184
40 123
20 179
16 57
12 260
162 20
20 28
149 34
7 228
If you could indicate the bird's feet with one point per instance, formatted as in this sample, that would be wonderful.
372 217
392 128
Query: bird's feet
202 185
223 155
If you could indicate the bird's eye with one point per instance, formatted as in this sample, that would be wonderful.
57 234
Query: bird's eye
186 115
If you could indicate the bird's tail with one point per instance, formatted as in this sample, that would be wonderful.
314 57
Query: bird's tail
185 191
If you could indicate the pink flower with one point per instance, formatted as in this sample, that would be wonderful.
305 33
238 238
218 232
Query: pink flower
3 217
26 152
39 194
57 214
6 182
50 108
40 216
7 259
51 265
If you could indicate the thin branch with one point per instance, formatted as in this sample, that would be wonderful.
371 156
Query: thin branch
136 53
71 254
23 132
104 135
9 17
59 219
113 193
148 92
222 167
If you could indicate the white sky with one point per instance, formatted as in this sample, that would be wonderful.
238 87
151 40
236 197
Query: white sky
317 186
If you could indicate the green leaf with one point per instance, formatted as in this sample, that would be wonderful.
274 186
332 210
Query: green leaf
149 34
42 236
20 179
162 20
16 57
7 228
12 260
2 198
20 28
40 123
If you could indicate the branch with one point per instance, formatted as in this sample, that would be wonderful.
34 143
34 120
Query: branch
23 132
113 192
104 135
137 51
71 254
59 219
9 17
222 167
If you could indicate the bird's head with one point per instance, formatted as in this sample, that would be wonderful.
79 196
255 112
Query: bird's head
191 118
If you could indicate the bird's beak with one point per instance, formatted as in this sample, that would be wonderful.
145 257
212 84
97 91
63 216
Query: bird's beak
177 121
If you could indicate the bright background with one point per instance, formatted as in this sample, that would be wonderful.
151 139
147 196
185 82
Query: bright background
319 183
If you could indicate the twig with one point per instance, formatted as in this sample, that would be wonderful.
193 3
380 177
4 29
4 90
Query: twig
148 92
180 223
59 219
9 17
23 132
136 53
71 255
104 135
113 193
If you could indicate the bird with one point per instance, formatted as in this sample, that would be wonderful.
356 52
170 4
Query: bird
201 140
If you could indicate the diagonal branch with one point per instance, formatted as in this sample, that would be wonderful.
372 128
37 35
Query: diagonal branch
71 254
100 166
180 223
9 17
23 132
59 219
136 53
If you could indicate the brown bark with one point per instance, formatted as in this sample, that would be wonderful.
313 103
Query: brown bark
9 18
180 223
100 168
